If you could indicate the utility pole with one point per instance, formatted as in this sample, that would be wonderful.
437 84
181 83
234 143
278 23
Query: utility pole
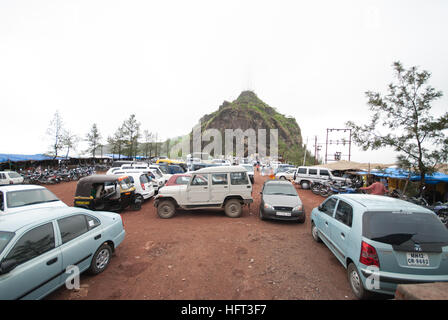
304 156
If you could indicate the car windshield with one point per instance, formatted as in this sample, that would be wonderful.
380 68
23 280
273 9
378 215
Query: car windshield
5 237
279 189
398 227
14 175
164 169
157 173
22 198
248 167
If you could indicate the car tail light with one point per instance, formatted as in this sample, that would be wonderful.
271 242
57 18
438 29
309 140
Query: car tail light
369 257
11 182
143 186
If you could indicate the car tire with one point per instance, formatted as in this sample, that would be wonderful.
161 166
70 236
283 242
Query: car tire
138 201
315 233
302 220
282 178
166 209
305 185
233 208
355 282
101 259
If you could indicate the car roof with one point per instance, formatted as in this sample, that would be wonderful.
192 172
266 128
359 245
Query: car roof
12 222
277 182
221 169
19 187
380 203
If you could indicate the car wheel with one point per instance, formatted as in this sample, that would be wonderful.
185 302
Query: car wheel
137 205
233 208
304 184
166 209
355 282
315 233
100 259
302 220
282 178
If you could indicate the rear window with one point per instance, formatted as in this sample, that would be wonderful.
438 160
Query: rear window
22 198
400 227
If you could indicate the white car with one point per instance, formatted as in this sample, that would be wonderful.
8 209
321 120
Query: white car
162 171
129 166
10 177
225 187
15 198
287 175
142 182
306 175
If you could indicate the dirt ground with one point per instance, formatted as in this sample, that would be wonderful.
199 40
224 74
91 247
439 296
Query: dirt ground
206 255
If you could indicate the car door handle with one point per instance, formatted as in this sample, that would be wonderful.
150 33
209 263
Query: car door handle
248 187
342 235
225 187
326 223
97 237
205 187
50 262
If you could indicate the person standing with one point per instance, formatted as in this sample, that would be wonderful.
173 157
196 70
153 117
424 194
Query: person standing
376 188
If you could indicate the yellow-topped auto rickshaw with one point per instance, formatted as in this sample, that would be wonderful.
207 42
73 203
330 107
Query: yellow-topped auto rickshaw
107 193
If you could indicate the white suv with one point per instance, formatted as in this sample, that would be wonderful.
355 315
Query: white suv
305 175
10 177
225 187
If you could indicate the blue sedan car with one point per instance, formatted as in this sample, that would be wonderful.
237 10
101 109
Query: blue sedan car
39 246
382 241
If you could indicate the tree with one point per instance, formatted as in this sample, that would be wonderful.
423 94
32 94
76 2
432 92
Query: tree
116 141
56 131
94 139
146 145
131 134
409 127
69 140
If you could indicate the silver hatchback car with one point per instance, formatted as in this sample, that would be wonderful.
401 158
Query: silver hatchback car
382 241
40 249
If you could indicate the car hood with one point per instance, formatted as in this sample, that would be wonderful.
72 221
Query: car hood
282 201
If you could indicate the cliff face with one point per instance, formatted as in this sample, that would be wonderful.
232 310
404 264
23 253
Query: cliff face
249 112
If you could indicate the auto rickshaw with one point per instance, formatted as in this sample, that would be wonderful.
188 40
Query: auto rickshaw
107 193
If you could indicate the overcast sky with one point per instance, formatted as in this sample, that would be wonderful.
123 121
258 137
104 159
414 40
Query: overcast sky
170 62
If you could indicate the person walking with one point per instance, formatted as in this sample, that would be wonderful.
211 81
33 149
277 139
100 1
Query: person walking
376 188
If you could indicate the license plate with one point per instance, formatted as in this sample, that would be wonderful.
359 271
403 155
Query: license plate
284 214
417 259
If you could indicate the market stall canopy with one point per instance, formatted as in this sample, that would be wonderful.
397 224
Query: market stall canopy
344 165
397 173
6 157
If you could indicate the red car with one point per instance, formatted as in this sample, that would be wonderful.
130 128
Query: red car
178 179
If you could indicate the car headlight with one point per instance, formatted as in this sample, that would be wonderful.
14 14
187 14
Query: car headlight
268 206
298 208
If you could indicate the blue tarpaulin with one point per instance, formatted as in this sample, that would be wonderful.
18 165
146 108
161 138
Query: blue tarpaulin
5 157
397 173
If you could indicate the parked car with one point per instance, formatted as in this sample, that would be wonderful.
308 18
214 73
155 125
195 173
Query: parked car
179 179
15 198
37 245
107 192
283 167
127 165
250 171
10 177
279 200
225 187
142 182
387 240
163 170
306 175
286 175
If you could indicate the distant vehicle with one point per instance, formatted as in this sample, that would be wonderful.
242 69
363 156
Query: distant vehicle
179 179
222 162
10 177
286 175
129 165
283 167
214 187
250 171
141 181
107 193
280 201
37 246
306 175
173 165
15 198
382 241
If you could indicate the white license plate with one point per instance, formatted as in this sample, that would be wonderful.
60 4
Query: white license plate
417 259
284 214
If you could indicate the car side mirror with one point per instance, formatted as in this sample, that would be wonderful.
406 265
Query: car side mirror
320 208
7 266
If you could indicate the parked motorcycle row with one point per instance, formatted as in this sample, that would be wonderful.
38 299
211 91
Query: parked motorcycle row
55 176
